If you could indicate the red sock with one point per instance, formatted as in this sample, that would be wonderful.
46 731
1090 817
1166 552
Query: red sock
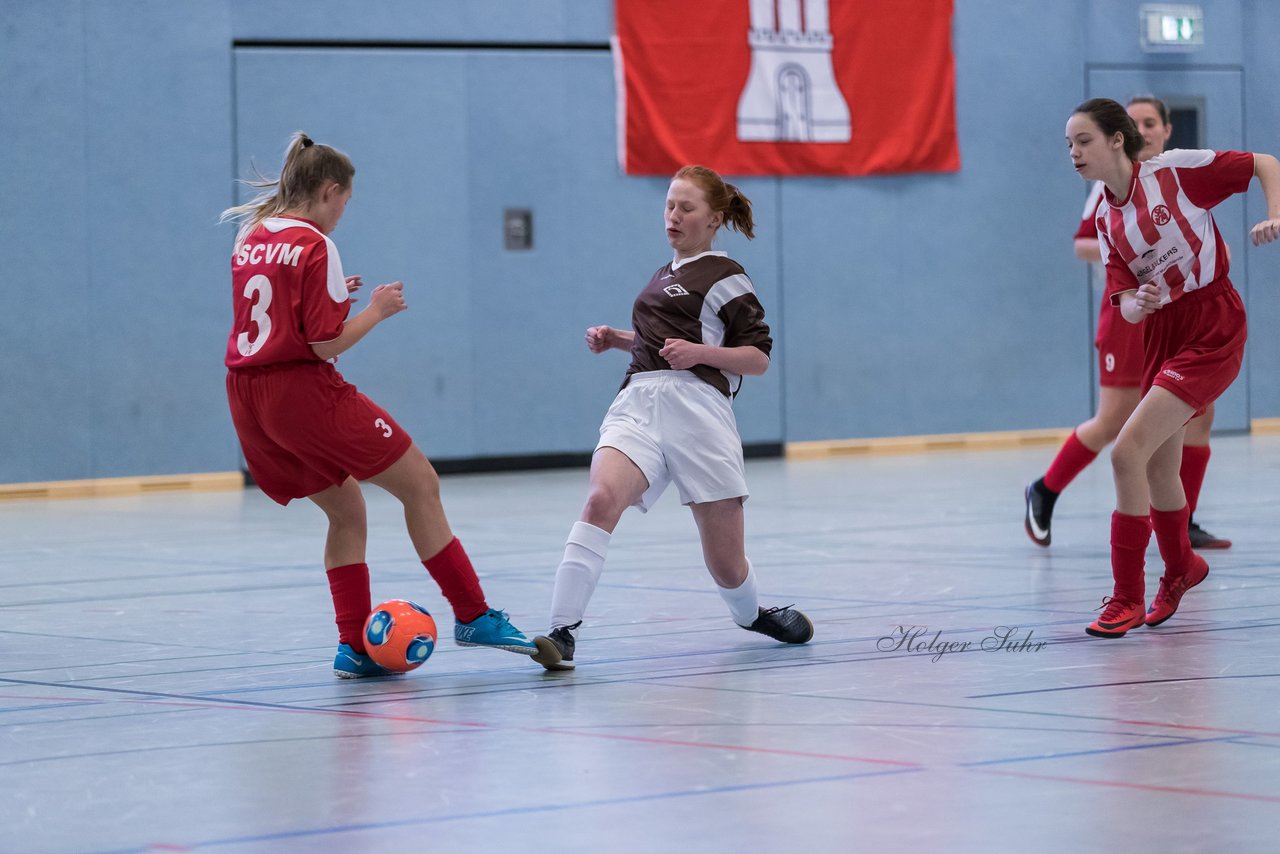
1195 459
1071 460
452 570
1129 538
1171 536
349 586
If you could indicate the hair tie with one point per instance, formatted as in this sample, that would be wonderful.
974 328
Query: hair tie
306 141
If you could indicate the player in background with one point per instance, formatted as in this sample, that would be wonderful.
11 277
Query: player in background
305 431
698 328
1119 346
1167 270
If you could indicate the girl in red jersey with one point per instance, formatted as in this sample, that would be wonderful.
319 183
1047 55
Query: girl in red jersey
305 431
1167 270
698 328
1119 346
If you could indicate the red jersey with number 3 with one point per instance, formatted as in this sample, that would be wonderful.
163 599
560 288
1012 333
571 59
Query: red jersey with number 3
1163 232
289 292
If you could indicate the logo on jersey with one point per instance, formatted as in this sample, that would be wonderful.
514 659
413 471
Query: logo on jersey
676 291
1161 215
1172 374
1143 273
268 253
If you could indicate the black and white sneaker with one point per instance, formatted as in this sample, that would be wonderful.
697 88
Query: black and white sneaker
1202 539
784 624
555 648
1039 515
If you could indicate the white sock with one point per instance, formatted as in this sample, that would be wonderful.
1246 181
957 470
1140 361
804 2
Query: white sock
578 573
744 604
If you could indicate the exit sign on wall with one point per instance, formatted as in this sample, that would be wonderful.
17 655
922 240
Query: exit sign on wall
1171 28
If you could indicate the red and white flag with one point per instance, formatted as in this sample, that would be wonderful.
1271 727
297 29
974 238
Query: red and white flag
786 87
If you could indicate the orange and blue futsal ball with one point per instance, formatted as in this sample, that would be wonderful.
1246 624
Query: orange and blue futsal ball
400 635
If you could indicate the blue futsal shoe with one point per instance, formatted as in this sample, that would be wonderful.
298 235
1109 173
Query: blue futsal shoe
349 664
494 630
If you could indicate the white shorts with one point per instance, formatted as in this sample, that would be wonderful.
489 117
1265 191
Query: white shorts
677 428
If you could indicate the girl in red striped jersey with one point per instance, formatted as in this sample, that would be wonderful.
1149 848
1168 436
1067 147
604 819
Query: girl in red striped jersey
1119 346
1167 269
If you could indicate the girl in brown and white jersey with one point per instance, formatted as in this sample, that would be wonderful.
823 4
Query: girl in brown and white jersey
698 329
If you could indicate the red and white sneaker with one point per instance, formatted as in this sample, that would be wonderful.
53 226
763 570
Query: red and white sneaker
1171 590
1118 617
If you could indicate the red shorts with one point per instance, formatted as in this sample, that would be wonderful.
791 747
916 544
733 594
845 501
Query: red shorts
303 428
1195 344
1119 345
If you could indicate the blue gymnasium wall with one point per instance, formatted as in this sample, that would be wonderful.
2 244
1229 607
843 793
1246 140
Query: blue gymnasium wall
903 305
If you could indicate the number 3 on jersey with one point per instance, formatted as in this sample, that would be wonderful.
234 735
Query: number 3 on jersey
384 427
258 316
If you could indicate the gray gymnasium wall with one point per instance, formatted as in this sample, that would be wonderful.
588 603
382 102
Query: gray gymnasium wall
902 305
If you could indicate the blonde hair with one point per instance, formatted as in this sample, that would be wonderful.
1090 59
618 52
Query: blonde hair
307 167
723 197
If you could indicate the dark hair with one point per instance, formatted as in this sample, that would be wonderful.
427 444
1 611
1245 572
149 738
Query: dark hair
1155 102
1111 119
307 168
723 197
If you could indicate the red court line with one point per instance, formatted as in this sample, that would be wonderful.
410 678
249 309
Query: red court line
1147 787
738 747
1199 728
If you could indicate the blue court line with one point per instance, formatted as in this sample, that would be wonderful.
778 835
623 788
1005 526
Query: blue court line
1097 752
1131 682
694 671
512 811
1237 733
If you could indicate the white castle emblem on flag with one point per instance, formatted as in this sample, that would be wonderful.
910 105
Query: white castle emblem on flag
791 93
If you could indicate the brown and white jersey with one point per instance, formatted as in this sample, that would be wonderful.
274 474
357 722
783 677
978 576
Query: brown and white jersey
706 299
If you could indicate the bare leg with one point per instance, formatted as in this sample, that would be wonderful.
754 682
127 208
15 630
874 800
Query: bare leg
1163 476
1157 419
1115 405
348 526
348 575
1199 428
414 481
721 527
616 484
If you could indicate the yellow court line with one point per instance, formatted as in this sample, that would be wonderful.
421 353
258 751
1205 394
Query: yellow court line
919 444
212 481
1265 426
116 486
1003 440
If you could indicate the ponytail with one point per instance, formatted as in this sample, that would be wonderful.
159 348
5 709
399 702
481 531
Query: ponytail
737 212
307 168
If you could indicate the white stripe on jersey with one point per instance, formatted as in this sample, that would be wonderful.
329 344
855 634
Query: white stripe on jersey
1182 158
729 288
337 282
677 262
1166 261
